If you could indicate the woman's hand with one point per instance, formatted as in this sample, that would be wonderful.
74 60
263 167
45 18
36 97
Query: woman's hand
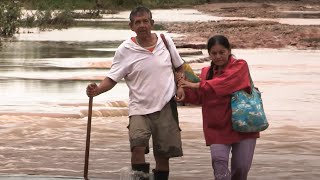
178 76
187 84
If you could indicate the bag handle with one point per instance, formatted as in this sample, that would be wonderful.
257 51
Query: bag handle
251 82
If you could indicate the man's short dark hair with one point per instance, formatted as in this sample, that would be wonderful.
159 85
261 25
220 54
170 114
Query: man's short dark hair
139 10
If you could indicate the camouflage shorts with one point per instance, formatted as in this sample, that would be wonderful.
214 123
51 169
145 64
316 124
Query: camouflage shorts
163 128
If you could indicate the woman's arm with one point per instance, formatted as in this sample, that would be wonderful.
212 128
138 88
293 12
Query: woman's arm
187 84
192 92
234 78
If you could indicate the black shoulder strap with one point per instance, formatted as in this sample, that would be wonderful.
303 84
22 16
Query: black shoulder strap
165 41
167 46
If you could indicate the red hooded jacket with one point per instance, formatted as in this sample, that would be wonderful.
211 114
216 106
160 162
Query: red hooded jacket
215 97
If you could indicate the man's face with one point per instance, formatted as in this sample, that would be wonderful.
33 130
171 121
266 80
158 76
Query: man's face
142 24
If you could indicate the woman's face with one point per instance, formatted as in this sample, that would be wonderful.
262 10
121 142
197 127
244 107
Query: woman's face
219 55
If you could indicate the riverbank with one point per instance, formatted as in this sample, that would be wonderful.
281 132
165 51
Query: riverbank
254 33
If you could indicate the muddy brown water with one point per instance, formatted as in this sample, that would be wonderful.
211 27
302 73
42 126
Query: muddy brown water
43 113
43 120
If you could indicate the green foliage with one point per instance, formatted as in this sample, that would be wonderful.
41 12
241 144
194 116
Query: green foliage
106 4
49 14
54 19
44 18
10 13
158 27
59 13
57 4
29 21
63 18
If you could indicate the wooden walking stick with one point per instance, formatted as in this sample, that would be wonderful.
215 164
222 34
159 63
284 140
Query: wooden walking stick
86 160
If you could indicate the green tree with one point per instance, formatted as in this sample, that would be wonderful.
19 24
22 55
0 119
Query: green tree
10 13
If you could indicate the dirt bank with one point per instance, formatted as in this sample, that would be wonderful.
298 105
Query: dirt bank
254 34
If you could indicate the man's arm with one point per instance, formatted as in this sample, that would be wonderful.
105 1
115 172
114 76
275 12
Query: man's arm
179 69
179 74
105 85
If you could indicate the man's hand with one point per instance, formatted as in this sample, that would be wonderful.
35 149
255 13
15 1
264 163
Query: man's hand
179 76
105 85
92 90
180 95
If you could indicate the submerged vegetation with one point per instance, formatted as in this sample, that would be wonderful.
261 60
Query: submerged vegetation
57 14
106 4
12 17
9 19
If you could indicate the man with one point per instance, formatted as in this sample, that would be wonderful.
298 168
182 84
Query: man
145 64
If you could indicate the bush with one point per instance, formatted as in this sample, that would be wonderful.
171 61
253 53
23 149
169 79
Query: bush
54 19
106 4
43 18
58 13
63 19
10 13
29 21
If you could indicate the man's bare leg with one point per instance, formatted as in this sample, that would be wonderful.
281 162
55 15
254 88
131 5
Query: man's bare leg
162 168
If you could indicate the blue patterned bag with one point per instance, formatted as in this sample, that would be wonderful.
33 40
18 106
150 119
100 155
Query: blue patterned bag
247 111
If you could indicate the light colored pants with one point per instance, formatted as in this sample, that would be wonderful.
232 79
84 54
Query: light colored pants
242 155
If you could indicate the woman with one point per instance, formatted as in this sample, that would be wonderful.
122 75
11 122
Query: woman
218 81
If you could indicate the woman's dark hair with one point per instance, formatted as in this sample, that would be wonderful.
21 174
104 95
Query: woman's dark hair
218 39
138 10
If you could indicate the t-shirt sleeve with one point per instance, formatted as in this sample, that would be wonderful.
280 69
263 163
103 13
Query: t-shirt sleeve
118 68
176 59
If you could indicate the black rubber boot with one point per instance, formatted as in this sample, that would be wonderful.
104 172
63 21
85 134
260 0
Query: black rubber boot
141 171
160 175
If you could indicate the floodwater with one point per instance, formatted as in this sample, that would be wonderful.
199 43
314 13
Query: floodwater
77 34
43 112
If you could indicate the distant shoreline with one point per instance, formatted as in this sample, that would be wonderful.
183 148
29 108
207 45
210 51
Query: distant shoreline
255 34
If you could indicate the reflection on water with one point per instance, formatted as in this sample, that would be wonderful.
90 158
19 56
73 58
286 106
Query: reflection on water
35 76
44 107
78 35
25 51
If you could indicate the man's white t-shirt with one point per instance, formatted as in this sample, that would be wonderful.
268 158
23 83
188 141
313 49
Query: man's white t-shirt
148 75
